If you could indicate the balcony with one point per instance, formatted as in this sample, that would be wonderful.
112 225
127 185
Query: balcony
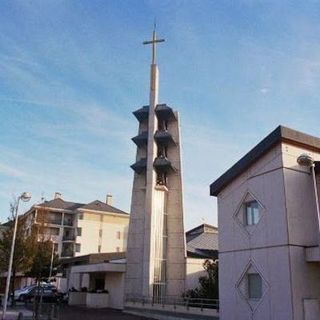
67 254
140 166
142 113
141 139
56 221
68 222
163 164
164 137
68 237
164 112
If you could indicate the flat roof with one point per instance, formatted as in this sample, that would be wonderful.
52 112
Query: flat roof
280 134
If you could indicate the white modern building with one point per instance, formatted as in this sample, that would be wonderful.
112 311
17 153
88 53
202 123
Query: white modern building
269 249
106 271
78 229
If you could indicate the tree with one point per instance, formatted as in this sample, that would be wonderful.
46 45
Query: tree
208 285
43 250
41 262
32 253
23 250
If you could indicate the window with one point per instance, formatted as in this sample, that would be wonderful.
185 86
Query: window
78 247
99 249
118 235
100 233
79 232
252 213
80 216
254 286
56 247
118 249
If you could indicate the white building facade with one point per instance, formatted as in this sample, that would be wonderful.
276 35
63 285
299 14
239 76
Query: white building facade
77 229
269 232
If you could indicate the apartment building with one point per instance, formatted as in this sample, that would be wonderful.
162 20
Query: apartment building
78 229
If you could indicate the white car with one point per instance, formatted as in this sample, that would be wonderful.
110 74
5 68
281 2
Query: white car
20 294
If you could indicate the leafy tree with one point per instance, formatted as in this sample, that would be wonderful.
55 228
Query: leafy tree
208 285
32 252
41 262
23 250
43 249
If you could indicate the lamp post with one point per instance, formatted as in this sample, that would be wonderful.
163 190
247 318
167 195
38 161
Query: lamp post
25 197
306 160
51 261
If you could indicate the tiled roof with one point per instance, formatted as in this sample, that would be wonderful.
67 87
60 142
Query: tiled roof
61 204
207 241
203 245
66 205
190 234
98 205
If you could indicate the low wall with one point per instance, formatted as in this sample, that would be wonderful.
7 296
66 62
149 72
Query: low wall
97 300
77 298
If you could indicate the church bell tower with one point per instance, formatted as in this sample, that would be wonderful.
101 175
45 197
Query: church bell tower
156 254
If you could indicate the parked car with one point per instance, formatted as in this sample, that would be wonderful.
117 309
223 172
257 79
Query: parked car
47 293
20 294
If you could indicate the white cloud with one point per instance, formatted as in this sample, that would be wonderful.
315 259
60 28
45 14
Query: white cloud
10 171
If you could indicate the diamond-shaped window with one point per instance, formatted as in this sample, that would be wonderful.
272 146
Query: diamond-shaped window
252 286
249 212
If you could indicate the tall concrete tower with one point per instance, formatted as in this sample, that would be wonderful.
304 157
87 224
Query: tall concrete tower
156 242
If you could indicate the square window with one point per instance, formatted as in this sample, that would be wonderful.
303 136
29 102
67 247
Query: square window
254 286
252 213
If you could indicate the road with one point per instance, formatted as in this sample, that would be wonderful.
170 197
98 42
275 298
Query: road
82 313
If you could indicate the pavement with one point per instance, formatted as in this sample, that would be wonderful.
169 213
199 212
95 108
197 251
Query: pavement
78 313
12 314
83 313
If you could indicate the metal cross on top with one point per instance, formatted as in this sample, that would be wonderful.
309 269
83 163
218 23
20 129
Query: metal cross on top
154 41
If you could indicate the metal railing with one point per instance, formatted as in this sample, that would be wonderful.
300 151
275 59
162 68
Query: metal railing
50 221
68 222
175 301
68 237
67 253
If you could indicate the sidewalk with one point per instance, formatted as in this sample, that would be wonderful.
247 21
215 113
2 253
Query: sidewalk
12 314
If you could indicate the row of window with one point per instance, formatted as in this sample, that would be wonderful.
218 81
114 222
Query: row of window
118 234
78 248
56 231
99 249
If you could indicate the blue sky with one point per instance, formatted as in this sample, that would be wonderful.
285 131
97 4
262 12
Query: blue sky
71 73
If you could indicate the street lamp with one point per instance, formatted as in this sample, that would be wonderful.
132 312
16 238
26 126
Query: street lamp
306 160
51 261
25 197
